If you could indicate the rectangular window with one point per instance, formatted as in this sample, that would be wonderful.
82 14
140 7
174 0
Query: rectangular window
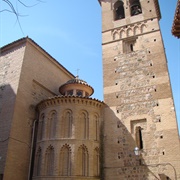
128 45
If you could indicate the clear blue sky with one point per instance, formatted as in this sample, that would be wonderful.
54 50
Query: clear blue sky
71 32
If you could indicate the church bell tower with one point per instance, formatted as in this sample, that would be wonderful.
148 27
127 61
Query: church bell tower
140 114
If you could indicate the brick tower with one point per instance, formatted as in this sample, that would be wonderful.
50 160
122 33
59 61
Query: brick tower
140 109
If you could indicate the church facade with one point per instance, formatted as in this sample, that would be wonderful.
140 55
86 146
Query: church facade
51 128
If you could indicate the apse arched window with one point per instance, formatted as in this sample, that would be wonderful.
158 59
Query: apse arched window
84 125
96 128
83 161
135 7
139 138
37 167
41 127
66 125
96 162
49 161
119 10
51 128
65 161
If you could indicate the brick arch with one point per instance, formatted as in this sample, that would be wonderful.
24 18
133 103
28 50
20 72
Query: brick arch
41 126
38 162
65 160
115 35
143 28
122 34
49 161
83 124
83 161
129 32
51 124
96 162
136 30
66 124
96 126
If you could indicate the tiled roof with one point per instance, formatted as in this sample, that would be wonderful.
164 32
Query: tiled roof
176 22
76 80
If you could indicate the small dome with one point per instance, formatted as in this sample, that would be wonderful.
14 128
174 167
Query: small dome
76 87
76 80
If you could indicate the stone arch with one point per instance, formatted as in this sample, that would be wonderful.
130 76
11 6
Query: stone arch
65 161
84 124
49 161
83 161
129 32
51 124
115 35
136 30
66 124
96 127
143 28
41 124
122 34
96 163
38 159
119 10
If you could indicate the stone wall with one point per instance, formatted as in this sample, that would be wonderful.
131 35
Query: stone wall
71 127
138 92
10 69
39 77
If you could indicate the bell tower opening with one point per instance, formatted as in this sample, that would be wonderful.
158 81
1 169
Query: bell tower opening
119 10
136 90
135 7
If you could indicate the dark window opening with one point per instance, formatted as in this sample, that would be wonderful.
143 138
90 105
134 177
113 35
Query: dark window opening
131 47
139 139
119 10
135 7
70 92
79 93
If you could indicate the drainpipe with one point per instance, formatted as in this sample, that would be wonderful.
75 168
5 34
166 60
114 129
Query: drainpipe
32 146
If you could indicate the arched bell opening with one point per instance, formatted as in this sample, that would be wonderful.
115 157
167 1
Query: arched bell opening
119 10
135 7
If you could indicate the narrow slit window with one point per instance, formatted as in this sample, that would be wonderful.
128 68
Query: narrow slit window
131 47
139 138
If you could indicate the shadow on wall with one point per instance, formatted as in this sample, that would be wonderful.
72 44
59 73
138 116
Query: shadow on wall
119 159
7 98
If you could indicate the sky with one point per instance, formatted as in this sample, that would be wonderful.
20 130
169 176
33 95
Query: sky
70 31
